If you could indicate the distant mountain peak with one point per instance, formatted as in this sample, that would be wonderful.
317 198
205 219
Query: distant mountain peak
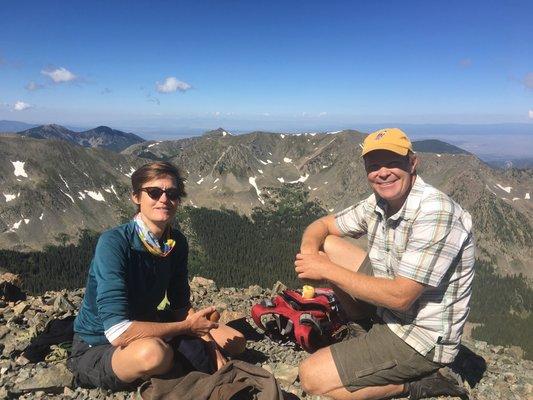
101 136
437 146
103 128
219 132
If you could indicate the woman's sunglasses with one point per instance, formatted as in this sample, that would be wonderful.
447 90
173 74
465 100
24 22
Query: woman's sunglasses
155 193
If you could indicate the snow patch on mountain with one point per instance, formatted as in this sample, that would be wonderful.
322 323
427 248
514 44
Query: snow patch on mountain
129 174
64 181
252 181
10 197
287 159
505 188
300 179
19 168
95 195
15 226
68 195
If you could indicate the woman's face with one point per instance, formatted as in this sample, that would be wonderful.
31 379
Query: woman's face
157 211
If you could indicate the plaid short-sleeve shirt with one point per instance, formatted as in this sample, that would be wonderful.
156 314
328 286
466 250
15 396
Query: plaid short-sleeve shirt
430 241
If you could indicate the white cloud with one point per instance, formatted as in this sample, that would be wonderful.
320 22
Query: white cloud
171 85
530 114
21 106
322 114
59 75
32 86
528 80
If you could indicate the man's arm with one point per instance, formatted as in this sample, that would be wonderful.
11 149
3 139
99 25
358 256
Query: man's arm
396 294
315 234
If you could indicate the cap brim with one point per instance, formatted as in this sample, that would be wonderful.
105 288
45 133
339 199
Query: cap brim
386 146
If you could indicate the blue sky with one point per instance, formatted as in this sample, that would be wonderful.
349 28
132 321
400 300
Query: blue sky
279 65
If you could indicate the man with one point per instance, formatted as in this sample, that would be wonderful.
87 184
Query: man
417 273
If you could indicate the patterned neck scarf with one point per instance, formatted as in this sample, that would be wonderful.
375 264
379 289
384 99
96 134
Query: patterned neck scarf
150 241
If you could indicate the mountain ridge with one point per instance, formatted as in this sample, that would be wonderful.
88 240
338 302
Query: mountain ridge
101 136
235 172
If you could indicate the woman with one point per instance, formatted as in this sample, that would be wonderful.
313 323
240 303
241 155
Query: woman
120 337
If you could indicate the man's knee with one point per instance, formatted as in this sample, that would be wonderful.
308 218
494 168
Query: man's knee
331 244
154 356
318 373
344 252
308 380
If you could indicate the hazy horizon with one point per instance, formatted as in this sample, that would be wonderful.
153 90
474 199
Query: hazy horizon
488 141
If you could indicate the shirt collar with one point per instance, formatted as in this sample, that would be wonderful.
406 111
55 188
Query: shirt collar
409 207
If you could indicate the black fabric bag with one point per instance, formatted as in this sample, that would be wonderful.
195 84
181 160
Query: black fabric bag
57 331
192 354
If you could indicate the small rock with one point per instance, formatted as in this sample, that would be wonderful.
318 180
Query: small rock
68 391
515 352
61 303
51 379
509 377
254 291
278 287
200 281
4 330
497 349
480 345
11 278
286 373
21 360
20 308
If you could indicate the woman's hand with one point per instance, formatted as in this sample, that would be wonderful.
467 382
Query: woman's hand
199 324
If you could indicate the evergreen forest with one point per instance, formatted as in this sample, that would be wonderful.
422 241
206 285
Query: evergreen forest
237 250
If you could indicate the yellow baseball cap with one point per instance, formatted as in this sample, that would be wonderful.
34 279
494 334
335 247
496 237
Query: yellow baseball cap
392 139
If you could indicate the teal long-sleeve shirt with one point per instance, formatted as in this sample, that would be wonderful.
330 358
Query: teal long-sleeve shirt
127 282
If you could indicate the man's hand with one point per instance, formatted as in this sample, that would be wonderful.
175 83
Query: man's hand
312 266
199 325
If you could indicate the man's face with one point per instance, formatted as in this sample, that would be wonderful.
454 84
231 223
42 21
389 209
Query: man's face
389 174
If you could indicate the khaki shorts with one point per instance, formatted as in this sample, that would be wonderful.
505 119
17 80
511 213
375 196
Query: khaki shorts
379 357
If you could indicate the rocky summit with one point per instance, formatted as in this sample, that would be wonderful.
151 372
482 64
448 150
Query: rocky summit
488 372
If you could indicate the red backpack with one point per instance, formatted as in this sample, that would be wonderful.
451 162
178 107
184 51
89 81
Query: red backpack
311 323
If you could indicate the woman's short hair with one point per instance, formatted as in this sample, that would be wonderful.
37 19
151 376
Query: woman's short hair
156 170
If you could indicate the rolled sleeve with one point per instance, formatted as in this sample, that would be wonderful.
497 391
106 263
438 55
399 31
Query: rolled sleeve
351 221
110 272
434 243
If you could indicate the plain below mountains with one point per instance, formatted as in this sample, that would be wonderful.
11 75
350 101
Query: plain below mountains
51 188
